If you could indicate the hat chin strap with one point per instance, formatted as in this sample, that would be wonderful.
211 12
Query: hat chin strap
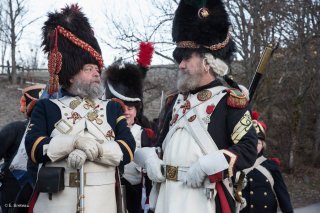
122 97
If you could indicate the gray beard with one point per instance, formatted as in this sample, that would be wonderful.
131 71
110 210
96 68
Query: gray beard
186 82
91 91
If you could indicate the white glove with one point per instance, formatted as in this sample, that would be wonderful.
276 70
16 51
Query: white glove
147 158
90 146
132 174
76 159
153 167
206 165
60 146
213 163
195 176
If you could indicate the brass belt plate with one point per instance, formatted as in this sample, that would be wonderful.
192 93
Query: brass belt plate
74 179
172 172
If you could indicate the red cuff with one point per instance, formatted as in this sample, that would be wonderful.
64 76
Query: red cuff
216 177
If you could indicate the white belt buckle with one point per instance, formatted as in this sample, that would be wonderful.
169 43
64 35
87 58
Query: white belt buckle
63 126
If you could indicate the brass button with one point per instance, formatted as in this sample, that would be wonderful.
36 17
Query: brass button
251 192
251 206
265 206
265 194
251 179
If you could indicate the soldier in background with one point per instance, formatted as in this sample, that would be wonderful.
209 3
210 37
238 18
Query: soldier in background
265 187
124 84
18 171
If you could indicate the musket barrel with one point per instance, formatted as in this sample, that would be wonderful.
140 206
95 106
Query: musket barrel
261 68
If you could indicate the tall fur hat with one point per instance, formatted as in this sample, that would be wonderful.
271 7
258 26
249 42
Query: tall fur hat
202 26
124 82
69 40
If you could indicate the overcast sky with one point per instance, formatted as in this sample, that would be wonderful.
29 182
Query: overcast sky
95 11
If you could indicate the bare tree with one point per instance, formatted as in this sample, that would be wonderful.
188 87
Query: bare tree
3 41
155 26
13 27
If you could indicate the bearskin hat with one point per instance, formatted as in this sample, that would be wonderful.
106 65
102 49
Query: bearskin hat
260 126
29 97
124 82
69 40
202 26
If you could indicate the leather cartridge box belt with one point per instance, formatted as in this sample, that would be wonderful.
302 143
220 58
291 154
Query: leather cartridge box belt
72 179
174 173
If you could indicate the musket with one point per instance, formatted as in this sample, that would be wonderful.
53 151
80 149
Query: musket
81 191
261 68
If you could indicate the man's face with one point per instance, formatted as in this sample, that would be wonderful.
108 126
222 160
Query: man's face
191 72
87 82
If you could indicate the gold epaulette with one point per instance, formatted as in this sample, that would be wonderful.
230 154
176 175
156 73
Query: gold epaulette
236 99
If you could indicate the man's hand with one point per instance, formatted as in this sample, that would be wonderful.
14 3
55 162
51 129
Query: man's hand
90 146
207 165
153 167
147 158
76 159
195 176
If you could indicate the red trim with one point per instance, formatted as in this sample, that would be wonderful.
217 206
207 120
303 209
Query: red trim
222 197
33 201
216 177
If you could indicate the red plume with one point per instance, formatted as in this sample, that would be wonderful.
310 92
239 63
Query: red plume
145 54
276 160
255 115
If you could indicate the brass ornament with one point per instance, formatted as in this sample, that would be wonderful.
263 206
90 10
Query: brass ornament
99 121
110 135
92 116
74 116
192 118
73 104
203 13
89 103
172 173
204 95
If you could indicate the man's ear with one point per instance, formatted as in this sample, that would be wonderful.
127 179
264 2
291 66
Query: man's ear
71 80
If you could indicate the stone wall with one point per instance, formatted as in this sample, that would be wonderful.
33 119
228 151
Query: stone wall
160 80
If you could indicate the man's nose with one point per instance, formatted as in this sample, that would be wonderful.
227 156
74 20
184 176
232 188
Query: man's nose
182 65
96 72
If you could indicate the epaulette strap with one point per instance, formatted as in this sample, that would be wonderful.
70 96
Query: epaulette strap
236 99
170 98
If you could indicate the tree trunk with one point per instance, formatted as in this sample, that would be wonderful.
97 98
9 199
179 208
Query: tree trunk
8 71
13 62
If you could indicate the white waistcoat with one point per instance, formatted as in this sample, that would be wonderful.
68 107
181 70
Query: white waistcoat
181 149
99 189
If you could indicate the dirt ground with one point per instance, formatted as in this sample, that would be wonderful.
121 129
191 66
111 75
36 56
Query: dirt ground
10 102
303 185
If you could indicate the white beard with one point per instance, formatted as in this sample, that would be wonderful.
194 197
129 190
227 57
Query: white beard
91 91
187 82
